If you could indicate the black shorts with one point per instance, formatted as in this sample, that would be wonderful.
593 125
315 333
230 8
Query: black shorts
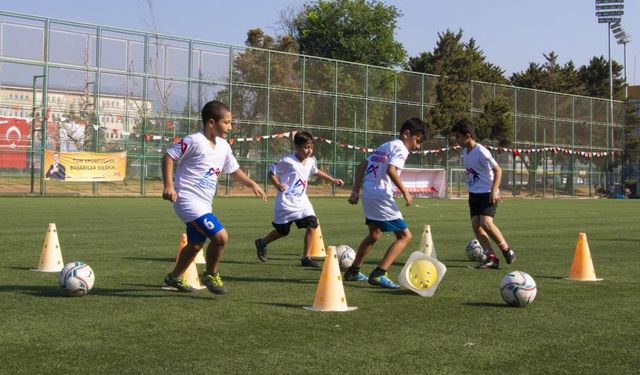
305 222
479 205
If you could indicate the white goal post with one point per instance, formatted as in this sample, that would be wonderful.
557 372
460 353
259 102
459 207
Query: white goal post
425 183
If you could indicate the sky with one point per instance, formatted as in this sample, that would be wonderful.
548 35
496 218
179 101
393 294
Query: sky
511 33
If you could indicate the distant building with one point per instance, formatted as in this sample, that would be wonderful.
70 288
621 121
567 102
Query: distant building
117 113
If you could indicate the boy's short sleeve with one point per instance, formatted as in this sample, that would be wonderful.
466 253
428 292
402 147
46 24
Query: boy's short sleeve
314 165
181 149
398 156
489 158
230 163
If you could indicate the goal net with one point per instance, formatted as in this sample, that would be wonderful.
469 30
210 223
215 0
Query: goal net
424 183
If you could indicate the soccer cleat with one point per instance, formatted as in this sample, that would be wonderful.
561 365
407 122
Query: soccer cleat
261 249
354 276
490 263
213 283
510 256
308 262
178 283
383 281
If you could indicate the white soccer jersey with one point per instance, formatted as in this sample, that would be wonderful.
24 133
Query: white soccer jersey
293 204
198 167
479 165
377 194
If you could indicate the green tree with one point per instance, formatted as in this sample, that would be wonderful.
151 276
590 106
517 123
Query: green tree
457 63
595 78
353 30
495 123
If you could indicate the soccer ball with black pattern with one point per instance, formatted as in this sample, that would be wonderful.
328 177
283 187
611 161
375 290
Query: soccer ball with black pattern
475 251
76 278
518 289
345 255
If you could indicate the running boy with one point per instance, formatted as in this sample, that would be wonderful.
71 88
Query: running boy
200 158
483 182
378 175
290 175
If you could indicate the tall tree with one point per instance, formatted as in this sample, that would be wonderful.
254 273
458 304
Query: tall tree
457 63
595 78
353 30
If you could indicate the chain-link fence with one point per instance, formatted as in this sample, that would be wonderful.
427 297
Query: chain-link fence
68 86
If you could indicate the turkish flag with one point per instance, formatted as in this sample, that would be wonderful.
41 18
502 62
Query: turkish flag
14 141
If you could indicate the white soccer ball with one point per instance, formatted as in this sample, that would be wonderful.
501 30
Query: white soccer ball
518 289
474 251
345 255
76 278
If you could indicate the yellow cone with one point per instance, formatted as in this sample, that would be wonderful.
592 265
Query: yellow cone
191 274
582 266
422 274
317 244
330 293
192 277
426 242
51 255
183 242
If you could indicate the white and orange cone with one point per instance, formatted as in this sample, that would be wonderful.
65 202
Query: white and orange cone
51 255
330 293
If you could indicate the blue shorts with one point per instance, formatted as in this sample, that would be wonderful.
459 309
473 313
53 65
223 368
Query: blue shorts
204 227
397 225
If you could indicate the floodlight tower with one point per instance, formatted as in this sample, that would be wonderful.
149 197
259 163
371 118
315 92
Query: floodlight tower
622 38
610 11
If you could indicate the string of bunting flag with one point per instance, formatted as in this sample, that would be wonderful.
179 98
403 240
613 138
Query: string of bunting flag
499 149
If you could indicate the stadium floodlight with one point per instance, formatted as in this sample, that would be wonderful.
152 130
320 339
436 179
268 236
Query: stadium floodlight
610 12
622 38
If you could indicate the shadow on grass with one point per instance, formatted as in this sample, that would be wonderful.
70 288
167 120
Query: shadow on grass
25 268
549 277
51 291
269 280
485 304
151 259
286 305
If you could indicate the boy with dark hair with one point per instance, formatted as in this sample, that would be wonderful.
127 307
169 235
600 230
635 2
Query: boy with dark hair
200 158
378 175
483 181
290 176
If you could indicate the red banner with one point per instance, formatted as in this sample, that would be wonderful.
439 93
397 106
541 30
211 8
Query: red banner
14 141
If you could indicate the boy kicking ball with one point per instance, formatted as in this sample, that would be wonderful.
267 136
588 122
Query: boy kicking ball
483 182
378 175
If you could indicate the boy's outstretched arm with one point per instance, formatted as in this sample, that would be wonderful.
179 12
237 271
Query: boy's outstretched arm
357 182
242 178
169 192
392 172
495 186
326 176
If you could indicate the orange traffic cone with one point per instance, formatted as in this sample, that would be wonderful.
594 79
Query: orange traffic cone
192 277
183 242
426 242
191 274
330 293
51 255
582 266
317 244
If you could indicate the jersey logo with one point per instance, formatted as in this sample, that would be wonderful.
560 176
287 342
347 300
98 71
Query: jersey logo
297 189
473 176
372 169
213 171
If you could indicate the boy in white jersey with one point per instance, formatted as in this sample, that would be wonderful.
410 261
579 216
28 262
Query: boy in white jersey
200 158
483 182
290 176
378 175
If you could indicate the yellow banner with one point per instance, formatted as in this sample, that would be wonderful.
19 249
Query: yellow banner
85 166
